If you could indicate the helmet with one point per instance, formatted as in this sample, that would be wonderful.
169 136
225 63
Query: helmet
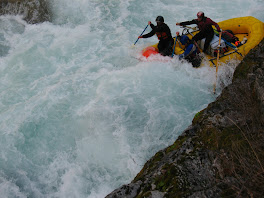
160 19
184 39
200 14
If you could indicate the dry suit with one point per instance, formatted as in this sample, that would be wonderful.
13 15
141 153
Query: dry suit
165 39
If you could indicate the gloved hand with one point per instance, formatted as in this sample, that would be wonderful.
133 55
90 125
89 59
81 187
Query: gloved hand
140 37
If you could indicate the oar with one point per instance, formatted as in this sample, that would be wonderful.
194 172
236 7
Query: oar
174 46
141 34
217 60
189 27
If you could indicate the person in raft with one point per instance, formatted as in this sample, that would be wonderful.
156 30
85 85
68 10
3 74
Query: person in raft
191 53
163 33
205 26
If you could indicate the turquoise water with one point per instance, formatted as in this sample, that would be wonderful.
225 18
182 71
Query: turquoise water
80 110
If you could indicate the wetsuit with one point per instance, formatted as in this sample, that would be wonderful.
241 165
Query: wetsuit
191 54
206 30
165 39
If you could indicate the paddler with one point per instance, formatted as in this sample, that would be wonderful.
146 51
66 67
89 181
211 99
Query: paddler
191 53
205 26
163 33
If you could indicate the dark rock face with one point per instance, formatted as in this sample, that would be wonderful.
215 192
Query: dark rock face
221 154
33 11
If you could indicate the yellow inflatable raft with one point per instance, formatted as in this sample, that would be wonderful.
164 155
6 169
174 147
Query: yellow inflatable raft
243 27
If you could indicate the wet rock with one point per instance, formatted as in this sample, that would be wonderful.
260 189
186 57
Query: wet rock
33 11
126 191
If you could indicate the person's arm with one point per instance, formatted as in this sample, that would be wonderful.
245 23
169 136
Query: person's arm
211 22
150 34
187 22
152 26
153 31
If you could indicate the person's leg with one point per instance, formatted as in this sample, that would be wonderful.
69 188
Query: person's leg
165 47
198 37
168 50
208 39
161 47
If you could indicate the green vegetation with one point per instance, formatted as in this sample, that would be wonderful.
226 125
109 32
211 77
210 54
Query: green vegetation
197 116
177 144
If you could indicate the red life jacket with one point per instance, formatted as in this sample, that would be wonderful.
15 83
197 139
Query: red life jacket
162 35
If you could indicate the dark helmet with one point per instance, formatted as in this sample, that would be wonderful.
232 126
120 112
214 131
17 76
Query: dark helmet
184 39
200 14
160 19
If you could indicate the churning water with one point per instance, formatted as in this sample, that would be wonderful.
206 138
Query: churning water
80 110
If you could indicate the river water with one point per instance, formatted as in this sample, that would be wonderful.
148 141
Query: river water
80 110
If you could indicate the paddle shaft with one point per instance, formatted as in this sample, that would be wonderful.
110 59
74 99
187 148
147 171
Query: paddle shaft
217 60
174 46
141 34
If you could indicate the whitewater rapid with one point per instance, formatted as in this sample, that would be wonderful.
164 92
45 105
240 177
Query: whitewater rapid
80 110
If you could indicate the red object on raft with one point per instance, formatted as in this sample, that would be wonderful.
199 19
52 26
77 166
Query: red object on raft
149 51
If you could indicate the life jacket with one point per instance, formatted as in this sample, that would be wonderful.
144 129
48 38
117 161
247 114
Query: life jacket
163 32
162 35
